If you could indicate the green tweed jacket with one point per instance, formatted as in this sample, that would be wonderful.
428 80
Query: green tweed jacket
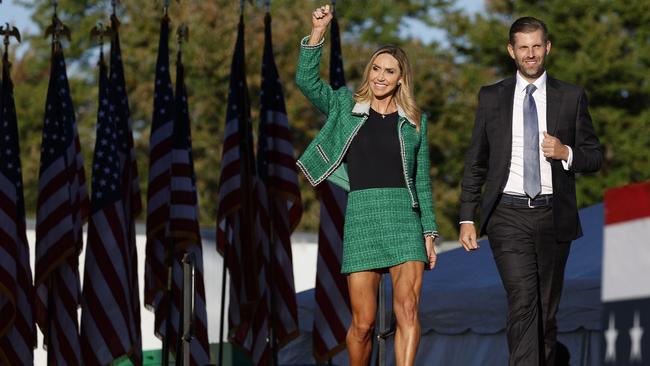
323 158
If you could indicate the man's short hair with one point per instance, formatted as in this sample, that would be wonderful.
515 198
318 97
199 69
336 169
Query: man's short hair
527 25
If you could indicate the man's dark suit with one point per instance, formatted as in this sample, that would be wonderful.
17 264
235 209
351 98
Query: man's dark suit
488 163
488 159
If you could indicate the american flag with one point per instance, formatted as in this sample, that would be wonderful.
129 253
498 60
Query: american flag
333 315
281 209
61 210
259 334
17 331
184 227
235 214
129 170
158 193
109 328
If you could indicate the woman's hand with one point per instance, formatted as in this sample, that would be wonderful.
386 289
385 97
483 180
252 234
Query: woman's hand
320 19
429 244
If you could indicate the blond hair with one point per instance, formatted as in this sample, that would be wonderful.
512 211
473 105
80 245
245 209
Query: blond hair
403 93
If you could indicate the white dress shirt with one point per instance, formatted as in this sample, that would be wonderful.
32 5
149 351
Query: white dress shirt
515 183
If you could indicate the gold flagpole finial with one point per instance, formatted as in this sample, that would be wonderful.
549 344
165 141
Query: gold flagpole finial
7 32
114 6
182 35
166 6
57 29
100 31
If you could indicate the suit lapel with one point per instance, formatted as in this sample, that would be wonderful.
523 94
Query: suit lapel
553 104
506 98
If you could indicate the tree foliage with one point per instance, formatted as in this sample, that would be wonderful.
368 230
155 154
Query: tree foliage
602 45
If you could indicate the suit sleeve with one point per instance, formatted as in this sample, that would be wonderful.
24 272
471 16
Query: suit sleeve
587 151
423 183
476 165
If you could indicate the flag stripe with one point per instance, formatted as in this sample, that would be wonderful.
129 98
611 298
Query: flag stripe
278 191
627 203
17 330
61 210
333 314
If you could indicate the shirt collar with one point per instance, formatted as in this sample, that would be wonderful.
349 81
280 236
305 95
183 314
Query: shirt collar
540 83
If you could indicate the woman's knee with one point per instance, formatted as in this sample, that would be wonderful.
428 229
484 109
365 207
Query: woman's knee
406 309
362 327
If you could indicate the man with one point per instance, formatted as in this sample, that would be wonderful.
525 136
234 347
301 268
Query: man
532 134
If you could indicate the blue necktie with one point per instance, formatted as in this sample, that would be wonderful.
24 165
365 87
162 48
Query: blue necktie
532 181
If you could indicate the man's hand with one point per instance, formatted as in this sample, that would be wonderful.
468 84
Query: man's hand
429 244
467 237
553 148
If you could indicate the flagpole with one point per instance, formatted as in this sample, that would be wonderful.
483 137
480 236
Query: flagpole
55 29
329 360
50 303
223 300
182 352
170 277
169 257
179 344
272 233
226 249
187 309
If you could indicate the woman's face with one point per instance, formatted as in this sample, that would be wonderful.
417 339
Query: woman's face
384 75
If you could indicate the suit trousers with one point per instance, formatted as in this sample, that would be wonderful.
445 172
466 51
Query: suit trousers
531 264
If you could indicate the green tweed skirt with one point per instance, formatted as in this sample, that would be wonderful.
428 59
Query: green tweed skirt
381 230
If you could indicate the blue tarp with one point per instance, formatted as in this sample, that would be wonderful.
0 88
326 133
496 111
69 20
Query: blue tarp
463 307
465 292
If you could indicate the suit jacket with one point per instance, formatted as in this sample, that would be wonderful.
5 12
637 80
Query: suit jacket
488 158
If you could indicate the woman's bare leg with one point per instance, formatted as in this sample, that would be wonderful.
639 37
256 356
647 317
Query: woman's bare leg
363 298
407 284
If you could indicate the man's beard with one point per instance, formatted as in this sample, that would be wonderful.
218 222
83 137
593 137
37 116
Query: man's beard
531 73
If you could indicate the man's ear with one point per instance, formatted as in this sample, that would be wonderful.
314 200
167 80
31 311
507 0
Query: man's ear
511 50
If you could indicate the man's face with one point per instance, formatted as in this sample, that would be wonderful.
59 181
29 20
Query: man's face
529 53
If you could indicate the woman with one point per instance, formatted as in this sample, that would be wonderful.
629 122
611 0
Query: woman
374 145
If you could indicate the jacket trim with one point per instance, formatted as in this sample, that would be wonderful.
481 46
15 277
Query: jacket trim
306 173
361 109
414 204
322 153
303 43
340 158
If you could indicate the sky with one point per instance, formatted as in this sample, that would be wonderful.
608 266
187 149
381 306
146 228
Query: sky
15 15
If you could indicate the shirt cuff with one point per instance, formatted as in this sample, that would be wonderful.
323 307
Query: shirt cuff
567 164
303 43
467 222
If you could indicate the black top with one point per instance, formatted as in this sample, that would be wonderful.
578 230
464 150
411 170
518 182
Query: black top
374 155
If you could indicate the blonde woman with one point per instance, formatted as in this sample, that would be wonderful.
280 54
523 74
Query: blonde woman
374 145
